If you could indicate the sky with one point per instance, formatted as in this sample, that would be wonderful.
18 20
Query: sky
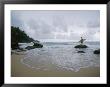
62 25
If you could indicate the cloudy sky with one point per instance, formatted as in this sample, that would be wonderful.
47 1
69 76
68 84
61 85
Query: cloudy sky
58 25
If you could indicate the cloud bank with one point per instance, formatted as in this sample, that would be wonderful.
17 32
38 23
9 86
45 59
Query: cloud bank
58 25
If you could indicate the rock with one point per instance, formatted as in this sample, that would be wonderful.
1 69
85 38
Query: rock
97 51
14 45
81 52
34 46
21 50
81 46
38 45
30 47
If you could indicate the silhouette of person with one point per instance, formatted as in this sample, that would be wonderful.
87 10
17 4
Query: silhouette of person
82 40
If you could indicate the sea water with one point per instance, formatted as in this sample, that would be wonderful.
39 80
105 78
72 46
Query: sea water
62 56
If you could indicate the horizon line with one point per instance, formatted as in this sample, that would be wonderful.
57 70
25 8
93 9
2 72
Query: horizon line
62 40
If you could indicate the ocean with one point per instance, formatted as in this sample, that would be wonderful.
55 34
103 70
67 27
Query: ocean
61 56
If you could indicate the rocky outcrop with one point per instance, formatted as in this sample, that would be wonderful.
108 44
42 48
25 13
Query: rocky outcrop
36 45
80 52
81 46
97 51
18 36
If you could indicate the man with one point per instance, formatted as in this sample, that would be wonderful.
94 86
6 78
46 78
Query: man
82 40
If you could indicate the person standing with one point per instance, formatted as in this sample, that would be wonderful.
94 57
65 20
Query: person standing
82 40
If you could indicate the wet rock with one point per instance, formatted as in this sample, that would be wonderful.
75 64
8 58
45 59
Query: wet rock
21 49
34 46
81 46
80 52
97 51
30 47
37 45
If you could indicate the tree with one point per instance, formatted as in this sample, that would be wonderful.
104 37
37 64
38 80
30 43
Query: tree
18 36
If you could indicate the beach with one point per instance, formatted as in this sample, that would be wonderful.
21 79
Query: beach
55 43
20 70
56 60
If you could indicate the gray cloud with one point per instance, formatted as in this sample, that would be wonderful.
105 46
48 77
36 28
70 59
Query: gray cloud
67 25
93 24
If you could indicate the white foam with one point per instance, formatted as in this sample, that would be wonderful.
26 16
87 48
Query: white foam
61 58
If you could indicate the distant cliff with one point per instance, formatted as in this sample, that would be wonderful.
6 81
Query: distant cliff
18 36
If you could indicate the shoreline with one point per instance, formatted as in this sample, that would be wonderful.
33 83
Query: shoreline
20 70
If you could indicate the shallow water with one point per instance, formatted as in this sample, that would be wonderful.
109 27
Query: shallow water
62 56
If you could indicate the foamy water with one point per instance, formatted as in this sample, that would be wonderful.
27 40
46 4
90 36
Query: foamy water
62 56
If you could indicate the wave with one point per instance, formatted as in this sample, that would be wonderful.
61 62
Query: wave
61 57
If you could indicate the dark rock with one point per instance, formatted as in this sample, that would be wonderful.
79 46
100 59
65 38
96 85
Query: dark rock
14 45
34 46
38 45
81 46
97 51
81 52
21 49
30 47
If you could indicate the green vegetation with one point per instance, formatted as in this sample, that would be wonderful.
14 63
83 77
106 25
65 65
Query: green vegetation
18 36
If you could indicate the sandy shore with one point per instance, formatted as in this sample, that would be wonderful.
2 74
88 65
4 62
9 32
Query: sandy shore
20 70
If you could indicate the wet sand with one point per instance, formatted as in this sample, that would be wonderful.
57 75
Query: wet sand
20 70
